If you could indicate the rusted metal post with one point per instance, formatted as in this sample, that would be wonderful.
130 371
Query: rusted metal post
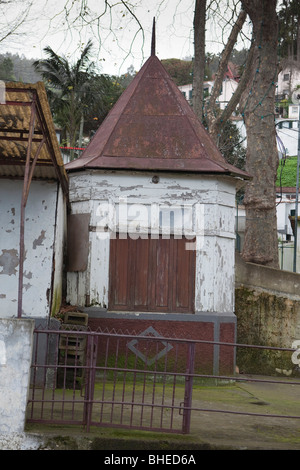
188 393
23 205
90 373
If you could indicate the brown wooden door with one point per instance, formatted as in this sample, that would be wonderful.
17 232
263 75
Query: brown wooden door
151 275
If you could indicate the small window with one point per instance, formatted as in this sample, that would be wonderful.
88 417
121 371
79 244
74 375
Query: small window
286 77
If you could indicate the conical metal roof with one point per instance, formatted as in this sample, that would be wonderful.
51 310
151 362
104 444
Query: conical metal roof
152 127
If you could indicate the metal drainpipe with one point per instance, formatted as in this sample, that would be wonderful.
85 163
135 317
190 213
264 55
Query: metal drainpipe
23 205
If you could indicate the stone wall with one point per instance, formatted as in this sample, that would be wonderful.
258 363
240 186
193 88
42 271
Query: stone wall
267 306
16 340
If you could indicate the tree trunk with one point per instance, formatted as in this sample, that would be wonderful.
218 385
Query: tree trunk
199 57
260 244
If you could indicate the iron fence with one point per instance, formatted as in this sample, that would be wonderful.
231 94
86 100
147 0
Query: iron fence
93 378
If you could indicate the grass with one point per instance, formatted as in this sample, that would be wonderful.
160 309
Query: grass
288 171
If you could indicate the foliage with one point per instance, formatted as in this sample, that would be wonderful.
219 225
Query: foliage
231 145
287 172
104 92
19 68
6 69
289 15
79 97
68 88
180 70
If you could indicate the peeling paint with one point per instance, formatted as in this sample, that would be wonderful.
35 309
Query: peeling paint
27 286
39 240
28 275
9 260
214 265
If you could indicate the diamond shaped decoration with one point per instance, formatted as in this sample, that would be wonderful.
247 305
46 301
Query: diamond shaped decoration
149 361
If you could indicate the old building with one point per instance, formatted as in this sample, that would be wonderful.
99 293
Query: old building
151 230
33 198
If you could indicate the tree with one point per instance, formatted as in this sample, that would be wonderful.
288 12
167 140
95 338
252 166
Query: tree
104 91
256 98
68 88
199 56
180 70
289 30
260 245
18 15
216 120
6 69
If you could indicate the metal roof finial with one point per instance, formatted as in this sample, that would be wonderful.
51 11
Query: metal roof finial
153 38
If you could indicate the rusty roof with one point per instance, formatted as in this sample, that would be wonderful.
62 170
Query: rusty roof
25 112
152 127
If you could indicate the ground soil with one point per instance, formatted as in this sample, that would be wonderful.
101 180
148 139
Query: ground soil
269 419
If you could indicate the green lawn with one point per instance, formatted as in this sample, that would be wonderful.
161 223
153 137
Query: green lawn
288 170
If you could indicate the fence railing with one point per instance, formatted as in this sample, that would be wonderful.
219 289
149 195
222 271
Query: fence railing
149 382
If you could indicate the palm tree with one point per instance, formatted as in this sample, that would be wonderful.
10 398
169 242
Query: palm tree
68 89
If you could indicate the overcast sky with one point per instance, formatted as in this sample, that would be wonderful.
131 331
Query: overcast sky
118 43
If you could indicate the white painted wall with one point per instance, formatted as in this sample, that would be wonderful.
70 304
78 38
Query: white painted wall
40 244
16 340
228 89
288 79
209 203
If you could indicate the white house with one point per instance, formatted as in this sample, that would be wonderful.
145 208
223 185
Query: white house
152 217
33 198
288 79
229 85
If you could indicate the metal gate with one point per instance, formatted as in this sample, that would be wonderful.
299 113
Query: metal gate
110 379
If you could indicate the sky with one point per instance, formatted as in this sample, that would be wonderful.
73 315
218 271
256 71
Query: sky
118 40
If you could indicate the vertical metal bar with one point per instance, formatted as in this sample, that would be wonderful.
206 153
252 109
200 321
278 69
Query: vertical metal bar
115 379
23 205
34 373
174 386
104 377
153 388
164 378
45 363
133 390
55 371
65 369
186 420
124 383
76 341
91 358
144 383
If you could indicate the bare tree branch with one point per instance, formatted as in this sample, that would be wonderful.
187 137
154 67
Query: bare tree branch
199 56
213 123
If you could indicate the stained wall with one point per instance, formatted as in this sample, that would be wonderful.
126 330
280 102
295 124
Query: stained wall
44 231
207 201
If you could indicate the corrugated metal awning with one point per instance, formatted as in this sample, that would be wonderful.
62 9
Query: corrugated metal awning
27 132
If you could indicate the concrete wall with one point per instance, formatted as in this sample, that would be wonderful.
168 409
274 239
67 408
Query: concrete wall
43 244
267 307
209 203
16 340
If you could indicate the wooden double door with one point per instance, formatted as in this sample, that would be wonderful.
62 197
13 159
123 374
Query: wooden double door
151 275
